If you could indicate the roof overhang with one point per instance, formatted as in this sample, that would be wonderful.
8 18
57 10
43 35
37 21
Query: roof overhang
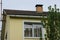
27 16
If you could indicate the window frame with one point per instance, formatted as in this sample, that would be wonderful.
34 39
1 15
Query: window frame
33 37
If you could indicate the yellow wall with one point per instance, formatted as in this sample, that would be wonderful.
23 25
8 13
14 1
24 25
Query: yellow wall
15 28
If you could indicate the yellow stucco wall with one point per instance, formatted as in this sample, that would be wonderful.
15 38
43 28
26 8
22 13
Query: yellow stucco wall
15 28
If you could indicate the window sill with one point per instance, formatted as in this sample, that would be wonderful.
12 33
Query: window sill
31 37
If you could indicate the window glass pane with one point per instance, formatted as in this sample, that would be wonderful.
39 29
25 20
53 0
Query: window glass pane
37 31
28 32
40 32
32 29
27 26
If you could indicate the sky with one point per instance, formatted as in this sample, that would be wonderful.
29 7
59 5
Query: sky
28 4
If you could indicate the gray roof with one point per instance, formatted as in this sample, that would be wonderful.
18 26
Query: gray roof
22 12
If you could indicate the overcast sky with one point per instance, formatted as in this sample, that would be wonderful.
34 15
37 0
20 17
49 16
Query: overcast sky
28 4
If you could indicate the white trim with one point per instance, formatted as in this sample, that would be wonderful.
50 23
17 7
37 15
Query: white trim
31 37
33 31
43 33
27 16
32 21
23 30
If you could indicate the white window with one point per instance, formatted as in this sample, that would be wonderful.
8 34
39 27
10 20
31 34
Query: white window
32 29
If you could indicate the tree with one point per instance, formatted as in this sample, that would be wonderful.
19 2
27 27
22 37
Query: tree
53 25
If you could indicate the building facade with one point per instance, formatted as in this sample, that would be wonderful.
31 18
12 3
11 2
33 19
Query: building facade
23 25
